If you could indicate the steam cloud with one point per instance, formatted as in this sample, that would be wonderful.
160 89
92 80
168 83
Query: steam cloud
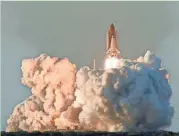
132 97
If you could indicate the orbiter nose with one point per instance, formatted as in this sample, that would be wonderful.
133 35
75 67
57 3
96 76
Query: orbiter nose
112 30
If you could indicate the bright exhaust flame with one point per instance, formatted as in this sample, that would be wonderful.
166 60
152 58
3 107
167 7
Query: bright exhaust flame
112 62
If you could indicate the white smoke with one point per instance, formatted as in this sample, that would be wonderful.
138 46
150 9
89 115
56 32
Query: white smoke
132 97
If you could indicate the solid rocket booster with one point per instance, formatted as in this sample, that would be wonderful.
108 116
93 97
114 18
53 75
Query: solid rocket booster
111 45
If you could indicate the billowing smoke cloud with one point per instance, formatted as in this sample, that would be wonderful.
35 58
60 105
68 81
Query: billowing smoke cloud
132 97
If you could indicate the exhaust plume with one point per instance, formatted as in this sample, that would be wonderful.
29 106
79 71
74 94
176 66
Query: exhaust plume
132 96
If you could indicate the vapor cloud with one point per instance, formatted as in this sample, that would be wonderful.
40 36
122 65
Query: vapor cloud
132 97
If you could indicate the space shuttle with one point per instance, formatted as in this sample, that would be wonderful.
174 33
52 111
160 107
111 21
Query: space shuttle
112 44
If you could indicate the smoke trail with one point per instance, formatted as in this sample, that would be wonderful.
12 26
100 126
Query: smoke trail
132 97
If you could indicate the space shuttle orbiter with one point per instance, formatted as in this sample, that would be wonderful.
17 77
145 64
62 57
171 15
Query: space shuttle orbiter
111 45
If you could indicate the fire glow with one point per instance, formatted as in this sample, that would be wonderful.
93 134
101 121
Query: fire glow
111 63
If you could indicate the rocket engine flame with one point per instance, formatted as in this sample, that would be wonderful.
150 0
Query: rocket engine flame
111 62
